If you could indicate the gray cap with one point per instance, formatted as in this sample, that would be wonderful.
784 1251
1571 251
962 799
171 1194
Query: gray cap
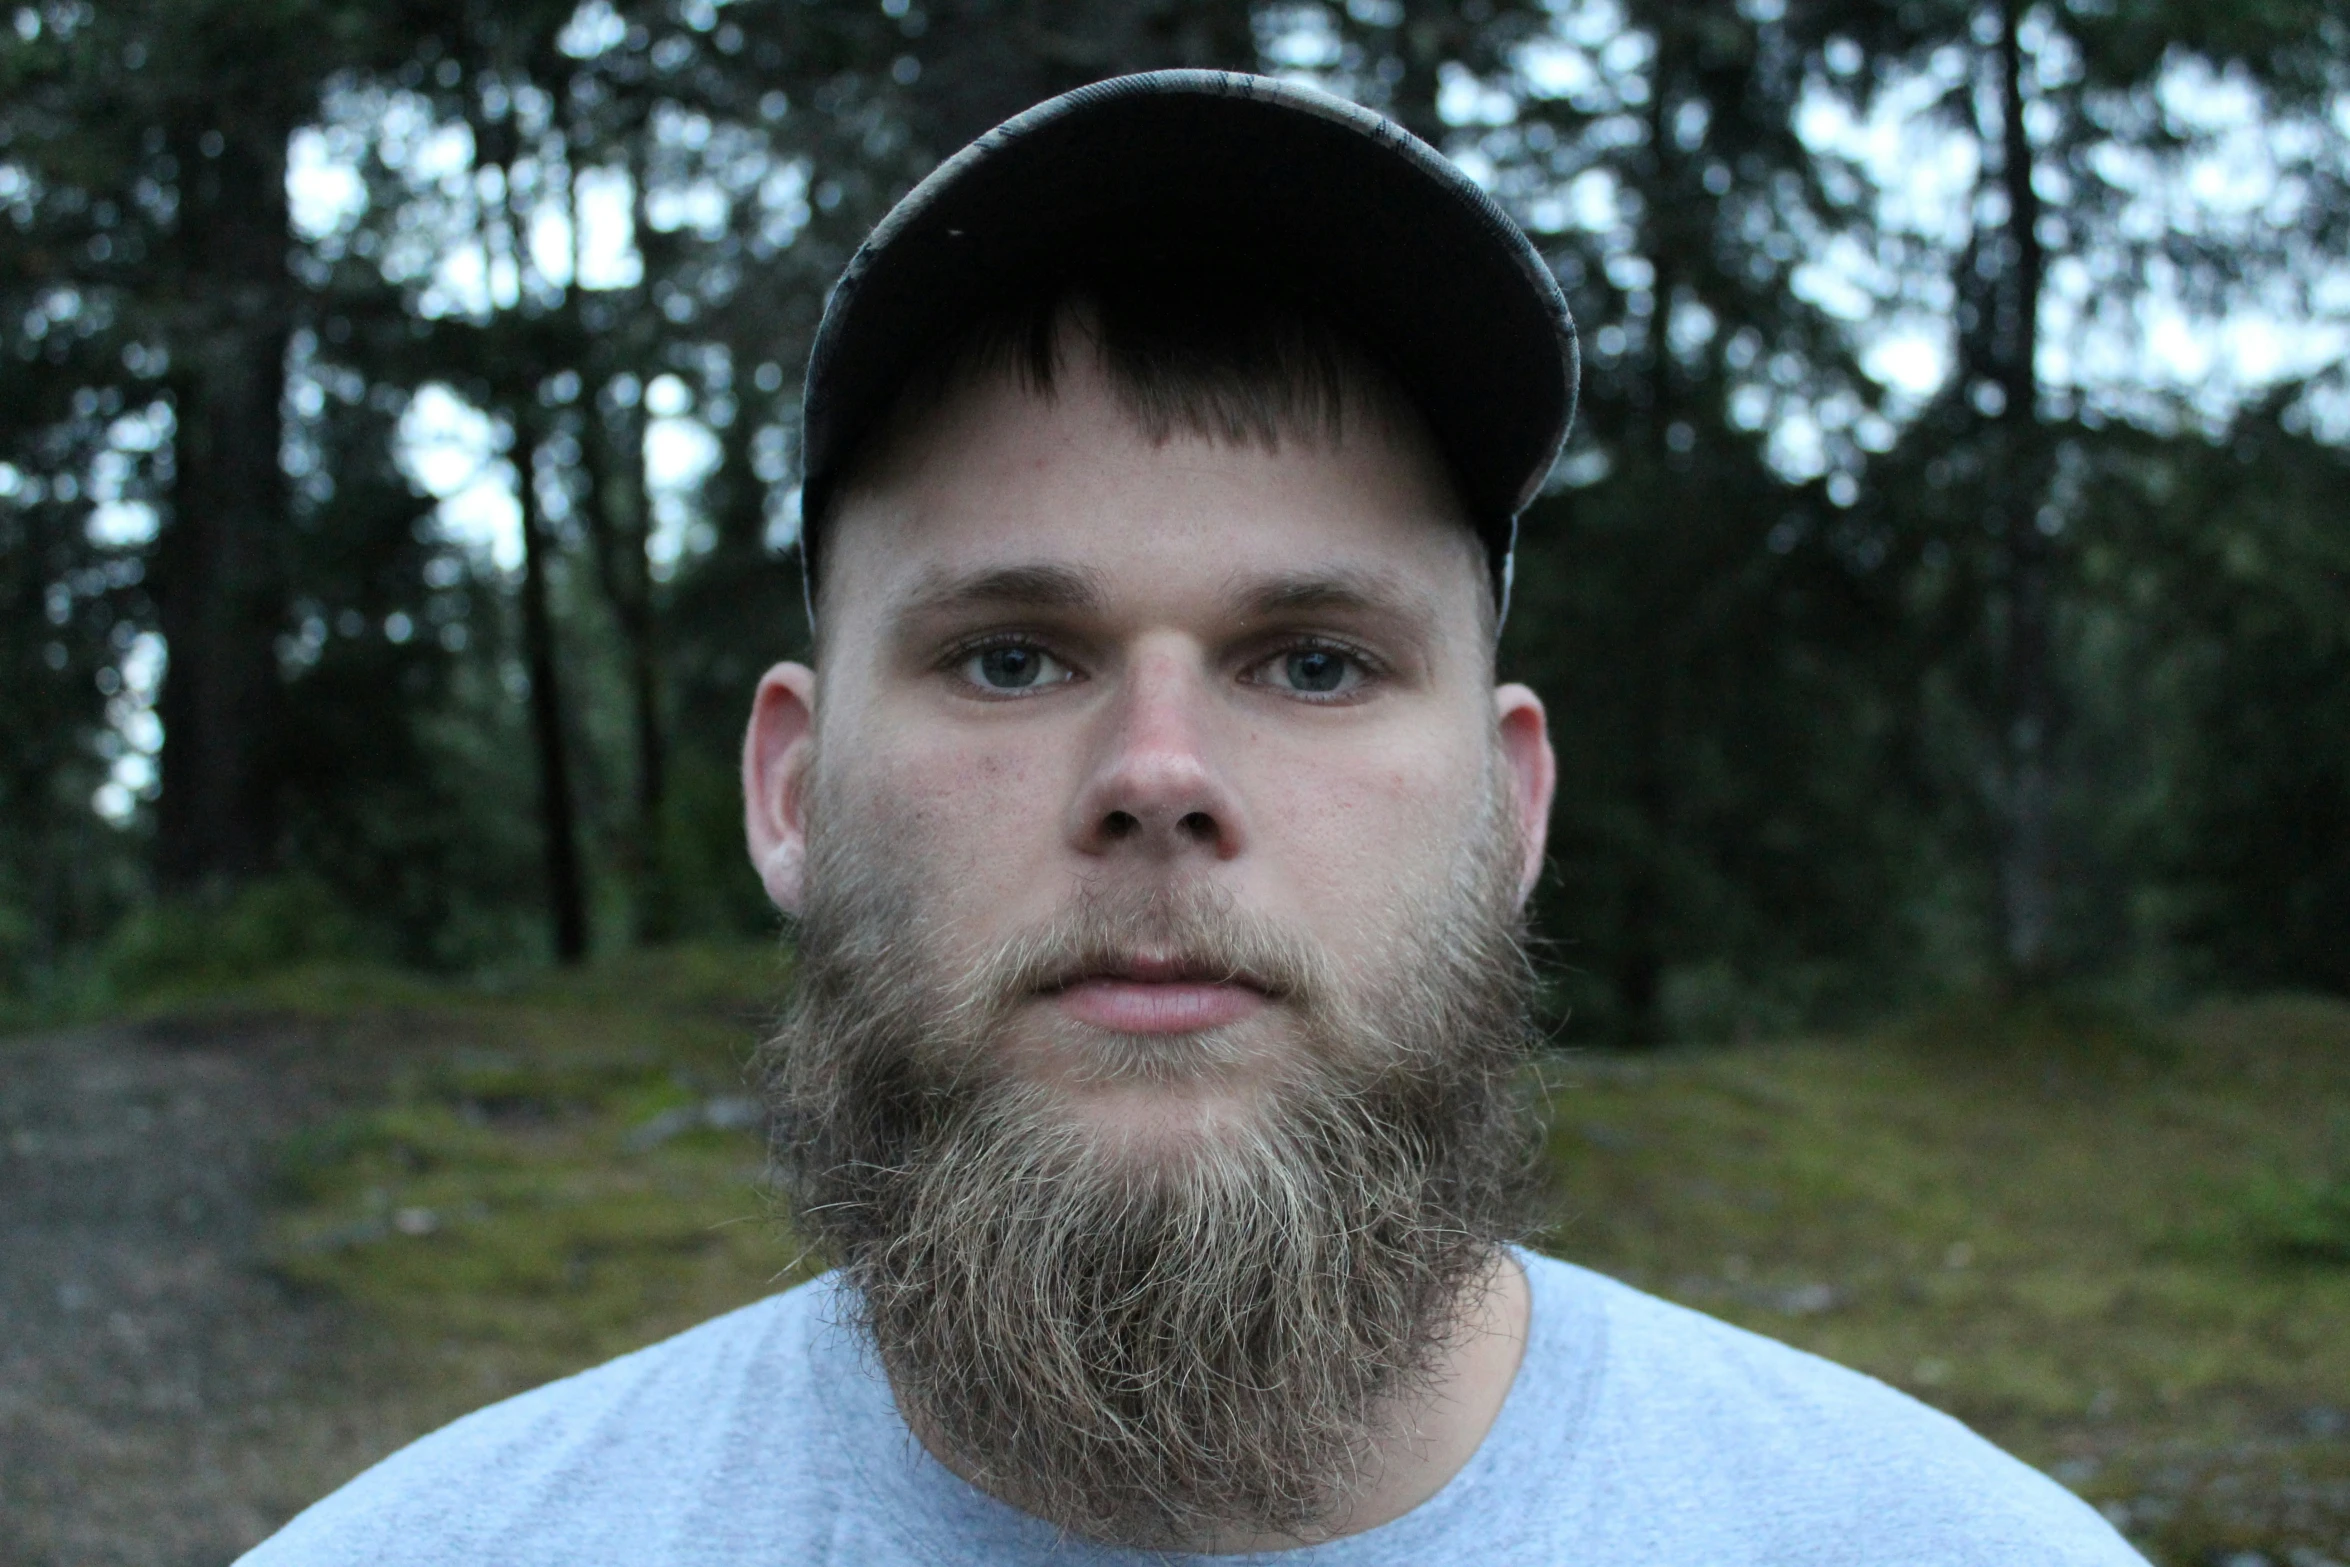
1321 197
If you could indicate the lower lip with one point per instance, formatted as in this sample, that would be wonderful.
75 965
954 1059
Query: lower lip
1130 1007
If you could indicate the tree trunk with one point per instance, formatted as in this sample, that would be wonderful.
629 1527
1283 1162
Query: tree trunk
613 447
1430 33
1657 397
1639 957
986 60
218 577
2027 874
566 892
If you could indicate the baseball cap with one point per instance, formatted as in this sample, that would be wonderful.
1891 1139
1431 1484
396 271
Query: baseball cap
1319 197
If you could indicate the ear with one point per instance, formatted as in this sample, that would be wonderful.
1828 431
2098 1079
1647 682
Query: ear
1533 775
775 768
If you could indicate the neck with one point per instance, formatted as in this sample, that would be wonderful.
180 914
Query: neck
1429 1438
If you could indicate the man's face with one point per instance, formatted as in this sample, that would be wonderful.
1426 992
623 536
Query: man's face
1160 843
1061 662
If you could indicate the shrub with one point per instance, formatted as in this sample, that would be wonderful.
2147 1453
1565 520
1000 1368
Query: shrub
208 940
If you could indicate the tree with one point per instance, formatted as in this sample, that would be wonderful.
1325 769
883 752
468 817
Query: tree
2221 576
1693 603
1838 721
2059 102
979 62
170 122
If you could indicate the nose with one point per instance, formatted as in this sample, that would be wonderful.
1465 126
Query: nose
1153 786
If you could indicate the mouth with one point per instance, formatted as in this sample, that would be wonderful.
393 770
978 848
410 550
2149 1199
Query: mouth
1144 993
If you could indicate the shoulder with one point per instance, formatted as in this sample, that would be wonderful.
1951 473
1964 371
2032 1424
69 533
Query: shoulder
603 1465
1802 1459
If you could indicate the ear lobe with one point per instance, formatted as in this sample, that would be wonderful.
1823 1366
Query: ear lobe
1533 775
776 750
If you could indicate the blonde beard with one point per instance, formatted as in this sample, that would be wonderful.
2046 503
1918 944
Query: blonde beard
1156 1351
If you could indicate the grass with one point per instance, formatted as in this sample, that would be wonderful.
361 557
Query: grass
2121 1250
531 1177
2067 1232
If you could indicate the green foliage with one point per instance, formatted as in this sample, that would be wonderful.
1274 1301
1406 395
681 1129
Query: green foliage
1789 691
213 941
2060 1030
1727 837
2247 594
336 1157
2306 1221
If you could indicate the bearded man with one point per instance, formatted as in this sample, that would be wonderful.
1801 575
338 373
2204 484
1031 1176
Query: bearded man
1159 838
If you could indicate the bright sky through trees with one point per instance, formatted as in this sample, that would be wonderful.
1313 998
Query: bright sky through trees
2129 347
1907 555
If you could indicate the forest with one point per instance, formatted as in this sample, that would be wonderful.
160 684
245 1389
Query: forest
1942 607
1946 591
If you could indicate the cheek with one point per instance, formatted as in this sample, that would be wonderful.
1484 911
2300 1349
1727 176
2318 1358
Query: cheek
970 819
1364 835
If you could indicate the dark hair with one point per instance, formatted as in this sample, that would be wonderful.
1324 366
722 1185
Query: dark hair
1186 347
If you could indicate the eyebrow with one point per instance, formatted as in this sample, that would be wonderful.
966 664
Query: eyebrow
1032 586
1053 587
1367 592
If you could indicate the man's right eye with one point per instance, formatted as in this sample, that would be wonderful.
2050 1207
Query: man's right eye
1012 666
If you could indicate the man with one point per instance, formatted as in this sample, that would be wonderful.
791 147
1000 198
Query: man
1159 838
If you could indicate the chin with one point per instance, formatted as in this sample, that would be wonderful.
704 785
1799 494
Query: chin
1158 1124
1157 1095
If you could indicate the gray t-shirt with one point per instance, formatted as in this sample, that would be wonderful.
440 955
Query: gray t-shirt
1636 1432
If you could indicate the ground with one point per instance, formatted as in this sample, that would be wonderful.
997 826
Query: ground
160 1392
254 1243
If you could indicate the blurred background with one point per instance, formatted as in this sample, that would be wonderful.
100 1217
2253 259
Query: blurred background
1944 608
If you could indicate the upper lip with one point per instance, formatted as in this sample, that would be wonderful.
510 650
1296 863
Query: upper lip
1162 969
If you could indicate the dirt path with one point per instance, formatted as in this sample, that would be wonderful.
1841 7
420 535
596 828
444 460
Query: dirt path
150 1370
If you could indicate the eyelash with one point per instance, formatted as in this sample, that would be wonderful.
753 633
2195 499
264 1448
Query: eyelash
1372 667
963 652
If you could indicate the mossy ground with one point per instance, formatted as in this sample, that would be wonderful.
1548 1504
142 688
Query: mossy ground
2065 1230
2106 1244
528 1179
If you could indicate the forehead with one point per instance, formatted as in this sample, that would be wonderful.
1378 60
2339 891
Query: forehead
1002 477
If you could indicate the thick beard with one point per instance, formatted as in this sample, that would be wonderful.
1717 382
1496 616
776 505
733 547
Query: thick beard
1159 1347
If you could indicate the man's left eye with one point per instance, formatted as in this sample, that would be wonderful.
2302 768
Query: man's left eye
1313 671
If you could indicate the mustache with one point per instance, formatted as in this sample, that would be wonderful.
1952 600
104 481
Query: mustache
1194 934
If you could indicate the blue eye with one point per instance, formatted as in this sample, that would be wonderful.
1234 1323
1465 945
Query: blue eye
1012 666
1313 671
1009 668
